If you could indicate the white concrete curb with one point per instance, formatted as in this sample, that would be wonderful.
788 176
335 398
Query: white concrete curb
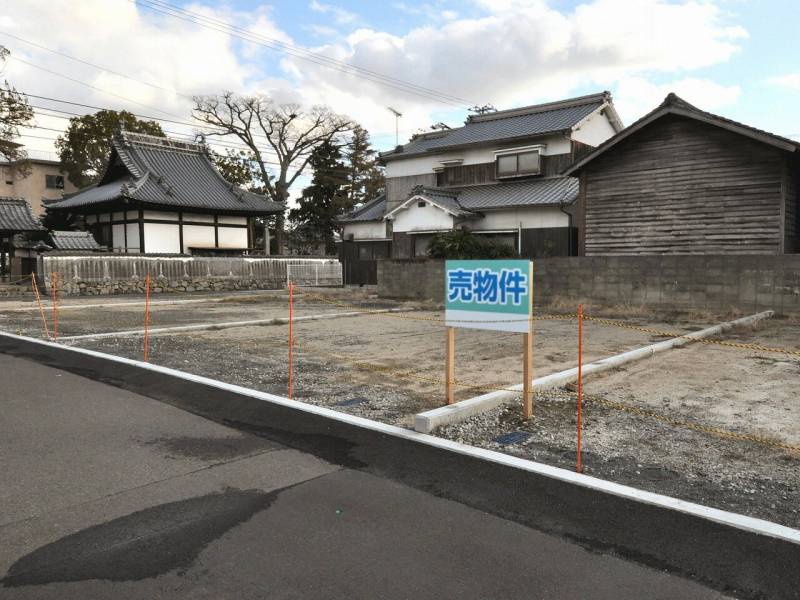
427 421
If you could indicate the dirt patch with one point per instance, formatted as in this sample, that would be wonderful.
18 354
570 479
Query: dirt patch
388 367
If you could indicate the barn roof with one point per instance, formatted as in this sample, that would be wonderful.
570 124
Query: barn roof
16 216
675 105
166 173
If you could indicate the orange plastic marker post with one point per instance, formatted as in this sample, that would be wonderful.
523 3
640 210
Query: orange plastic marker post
578 464
291 335
54 287
41 306
146 317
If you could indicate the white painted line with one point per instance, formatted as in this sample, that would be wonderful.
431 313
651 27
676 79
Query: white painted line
427 421
218 326
716 515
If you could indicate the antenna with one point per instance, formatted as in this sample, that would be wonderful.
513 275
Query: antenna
397 115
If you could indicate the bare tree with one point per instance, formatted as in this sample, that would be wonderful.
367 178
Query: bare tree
15 112
280 136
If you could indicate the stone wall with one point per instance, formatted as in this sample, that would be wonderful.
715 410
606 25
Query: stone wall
100 274
717 284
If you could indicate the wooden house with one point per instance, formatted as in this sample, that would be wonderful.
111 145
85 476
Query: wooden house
684 181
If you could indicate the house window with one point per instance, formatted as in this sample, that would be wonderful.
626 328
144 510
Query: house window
54 182
517 165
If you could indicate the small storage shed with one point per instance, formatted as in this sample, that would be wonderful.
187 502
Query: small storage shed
684 181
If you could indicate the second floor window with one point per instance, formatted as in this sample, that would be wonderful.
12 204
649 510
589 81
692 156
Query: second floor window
516 165
54 182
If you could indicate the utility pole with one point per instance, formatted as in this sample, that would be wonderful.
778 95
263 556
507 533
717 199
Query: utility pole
397 115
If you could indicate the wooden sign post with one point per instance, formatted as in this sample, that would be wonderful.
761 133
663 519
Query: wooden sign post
490 294
450 367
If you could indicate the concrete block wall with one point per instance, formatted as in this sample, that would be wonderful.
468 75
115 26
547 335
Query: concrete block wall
713 283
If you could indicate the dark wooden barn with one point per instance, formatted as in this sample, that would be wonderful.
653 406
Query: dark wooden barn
684 181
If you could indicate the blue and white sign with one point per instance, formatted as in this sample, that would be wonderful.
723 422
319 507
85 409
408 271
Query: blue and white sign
489 294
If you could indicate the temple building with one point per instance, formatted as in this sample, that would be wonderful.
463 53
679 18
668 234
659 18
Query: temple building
164 196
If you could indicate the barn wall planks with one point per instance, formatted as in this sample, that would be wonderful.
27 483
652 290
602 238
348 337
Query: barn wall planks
679 186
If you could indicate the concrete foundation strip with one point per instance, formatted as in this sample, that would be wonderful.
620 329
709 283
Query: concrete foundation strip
218 326
460 411
212 299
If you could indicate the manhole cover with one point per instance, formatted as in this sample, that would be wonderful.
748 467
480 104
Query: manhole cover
515 437
656 474
352 401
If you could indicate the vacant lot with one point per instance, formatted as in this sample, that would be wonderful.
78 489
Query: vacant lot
659 424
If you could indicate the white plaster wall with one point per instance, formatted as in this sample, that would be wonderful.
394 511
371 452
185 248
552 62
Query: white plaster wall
531 218
232 220
133 236
199 236
162 215
161 237
118 236
429 218
232 237
371 230
553 144
595 130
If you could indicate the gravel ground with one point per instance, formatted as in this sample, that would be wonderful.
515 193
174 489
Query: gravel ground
738 390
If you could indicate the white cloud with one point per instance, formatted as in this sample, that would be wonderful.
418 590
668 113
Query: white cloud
522 51
790 81
508 52
636 96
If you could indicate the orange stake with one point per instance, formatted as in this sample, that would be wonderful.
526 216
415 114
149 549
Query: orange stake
579 465
291 334
146 317
41 306
54 286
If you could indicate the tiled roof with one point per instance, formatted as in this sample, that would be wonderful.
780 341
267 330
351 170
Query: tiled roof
674 104
16 215
536 192
74 240
506 125
446 199
167 173
369 211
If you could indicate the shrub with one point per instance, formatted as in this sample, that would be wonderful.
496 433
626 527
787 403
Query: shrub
459 244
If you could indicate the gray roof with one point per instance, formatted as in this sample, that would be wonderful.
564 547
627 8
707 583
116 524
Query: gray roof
506 125
675 105
16 215
470 200
537 192
369 211
74 240
166 173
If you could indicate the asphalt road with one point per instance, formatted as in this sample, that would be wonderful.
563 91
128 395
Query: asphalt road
109 494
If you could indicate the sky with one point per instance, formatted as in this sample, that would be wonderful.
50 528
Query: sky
429 60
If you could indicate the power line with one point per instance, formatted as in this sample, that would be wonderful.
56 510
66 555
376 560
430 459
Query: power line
120 74
93 65
221 26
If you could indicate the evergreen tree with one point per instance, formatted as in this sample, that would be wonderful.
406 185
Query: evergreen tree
83 149
15 112
323 200
365 178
